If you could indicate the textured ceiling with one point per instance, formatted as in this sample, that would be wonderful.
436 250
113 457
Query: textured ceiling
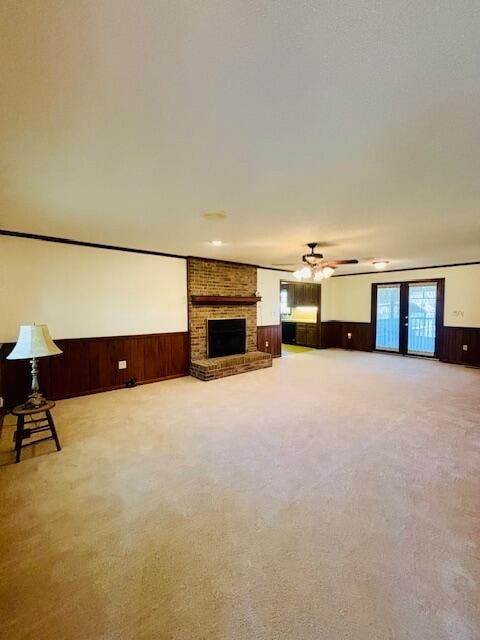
353 123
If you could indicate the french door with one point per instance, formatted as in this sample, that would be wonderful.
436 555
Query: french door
408 316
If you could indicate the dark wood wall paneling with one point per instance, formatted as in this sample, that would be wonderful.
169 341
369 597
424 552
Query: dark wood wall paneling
90 365
335 333
273 335
330 334
451 340
452 345
471 337
357 336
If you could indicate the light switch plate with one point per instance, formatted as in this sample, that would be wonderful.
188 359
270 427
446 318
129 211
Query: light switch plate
122 364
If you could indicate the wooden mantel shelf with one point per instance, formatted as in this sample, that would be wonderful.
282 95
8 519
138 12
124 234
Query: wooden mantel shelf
225 300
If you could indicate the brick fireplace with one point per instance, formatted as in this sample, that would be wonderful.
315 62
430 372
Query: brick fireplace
216 278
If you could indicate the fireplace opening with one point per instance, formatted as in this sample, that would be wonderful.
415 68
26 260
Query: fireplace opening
226 337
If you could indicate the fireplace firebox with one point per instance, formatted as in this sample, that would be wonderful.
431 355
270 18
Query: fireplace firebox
226 337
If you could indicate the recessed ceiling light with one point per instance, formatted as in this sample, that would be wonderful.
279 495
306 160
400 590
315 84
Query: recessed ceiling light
380 264
216 243
214 215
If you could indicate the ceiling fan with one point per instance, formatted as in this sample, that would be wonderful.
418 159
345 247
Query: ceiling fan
316 267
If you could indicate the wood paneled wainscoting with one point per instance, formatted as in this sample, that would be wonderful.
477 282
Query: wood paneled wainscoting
452 344
347 335
270 335
90 365
452 340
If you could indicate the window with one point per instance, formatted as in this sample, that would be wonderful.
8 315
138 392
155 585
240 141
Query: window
284 308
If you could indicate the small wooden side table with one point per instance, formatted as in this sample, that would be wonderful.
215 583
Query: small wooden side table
45 423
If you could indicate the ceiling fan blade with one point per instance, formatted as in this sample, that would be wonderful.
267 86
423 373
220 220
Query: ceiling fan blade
336 263
284 264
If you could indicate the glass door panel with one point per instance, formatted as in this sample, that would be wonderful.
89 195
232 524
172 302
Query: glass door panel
388 317
421 322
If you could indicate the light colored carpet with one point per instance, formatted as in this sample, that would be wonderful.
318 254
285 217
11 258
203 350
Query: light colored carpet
335 496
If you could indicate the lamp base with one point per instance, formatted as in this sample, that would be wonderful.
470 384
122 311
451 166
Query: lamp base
34 401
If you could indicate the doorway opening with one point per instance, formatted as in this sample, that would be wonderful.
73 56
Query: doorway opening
300 304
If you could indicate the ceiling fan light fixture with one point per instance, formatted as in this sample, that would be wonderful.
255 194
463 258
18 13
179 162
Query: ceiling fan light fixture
380 264
316 268
327 271
306 272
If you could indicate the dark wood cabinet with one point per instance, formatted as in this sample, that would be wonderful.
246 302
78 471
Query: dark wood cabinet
312 335
291 295
312 295
302 333
302 294
306 334
295 294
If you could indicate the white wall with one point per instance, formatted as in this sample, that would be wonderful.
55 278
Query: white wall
268 284
327 309
83 292
351 295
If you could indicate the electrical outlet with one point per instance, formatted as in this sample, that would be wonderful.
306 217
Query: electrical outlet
349 336
267 344
1 402
122 364
465 347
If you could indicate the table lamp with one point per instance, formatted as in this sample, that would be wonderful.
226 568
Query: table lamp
34 341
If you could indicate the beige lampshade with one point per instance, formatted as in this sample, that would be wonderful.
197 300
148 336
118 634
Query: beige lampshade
34 341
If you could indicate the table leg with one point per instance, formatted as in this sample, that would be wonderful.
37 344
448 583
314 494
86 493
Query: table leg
19 437
53 430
